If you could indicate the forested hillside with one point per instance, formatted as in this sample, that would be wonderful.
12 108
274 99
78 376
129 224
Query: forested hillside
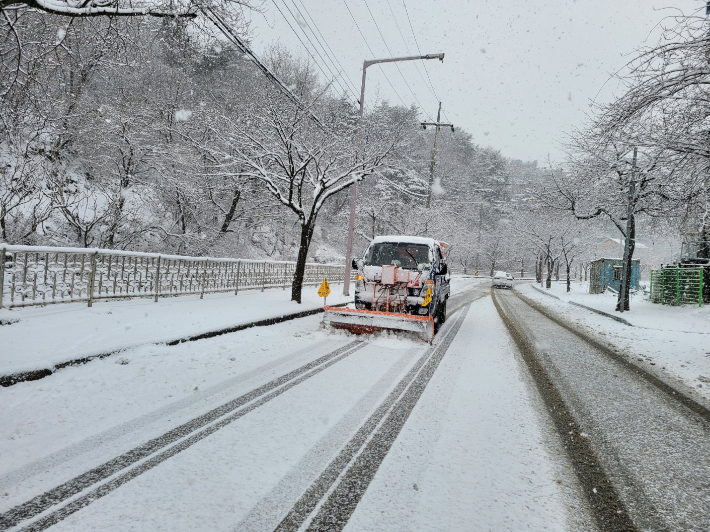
149 133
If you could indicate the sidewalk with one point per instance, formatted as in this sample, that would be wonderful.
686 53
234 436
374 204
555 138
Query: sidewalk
670 341
39 338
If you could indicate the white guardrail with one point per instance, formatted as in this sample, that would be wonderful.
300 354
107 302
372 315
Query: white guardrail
43 275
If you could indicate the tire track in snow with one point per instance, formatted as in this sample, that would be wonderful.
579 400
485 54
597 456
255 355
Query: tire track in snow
372 441
640 452
188 432
81 448
608 509
269 511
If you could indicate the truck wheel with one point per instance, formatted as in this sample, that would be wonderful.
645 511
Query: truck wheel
440 316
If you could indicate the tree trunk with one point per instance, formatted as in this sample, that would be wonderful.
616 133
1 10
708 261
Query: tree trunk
569 267
538 269
550 268
306 235
629 262
118 212
230 214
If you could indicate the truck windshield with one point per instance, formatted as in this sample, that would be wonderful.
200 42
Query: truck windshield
398 254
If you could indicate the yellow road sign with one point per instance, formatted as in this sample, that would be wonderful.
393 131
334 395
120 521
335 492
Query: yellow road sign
427 297
324 290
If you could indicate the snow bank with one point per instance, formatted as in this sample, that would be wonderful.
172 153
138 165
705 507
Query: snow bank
46 336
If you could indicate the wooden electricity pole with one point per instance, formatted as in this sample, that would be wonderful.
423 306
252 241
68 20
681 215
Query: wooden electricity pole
438 124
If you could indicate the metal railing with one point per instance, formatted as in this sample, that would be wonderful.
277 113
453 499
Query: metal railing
677 286
44 275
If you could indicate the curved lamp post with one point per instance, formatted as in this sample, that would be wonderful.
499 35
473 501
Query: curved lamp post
353 187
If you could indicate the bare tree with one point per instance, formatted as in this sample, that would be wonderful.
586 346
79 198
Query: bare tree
600 181
119 8
303 165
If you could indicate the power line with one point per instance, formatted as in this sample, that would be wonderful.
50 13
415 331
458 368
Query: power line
350 86
417 43
332 76
373 53
232 37
391 54
428 86
334 58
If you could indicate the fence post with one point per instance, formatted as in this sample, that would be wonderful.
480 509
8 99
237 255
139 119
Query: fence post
2 274
677 286
263 277
92 277
204 280
236 285
700 289
157 281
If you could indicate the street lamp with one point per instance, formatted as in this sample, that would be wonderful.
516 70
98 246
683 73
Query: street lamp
353 187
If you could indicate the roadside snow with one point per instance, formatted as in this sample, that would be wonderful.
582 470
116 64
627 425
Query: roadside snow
45 336
40 337
674 341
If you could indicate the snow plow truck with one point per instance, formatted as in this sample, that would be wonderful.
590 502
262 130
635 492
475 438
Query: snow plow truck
402 284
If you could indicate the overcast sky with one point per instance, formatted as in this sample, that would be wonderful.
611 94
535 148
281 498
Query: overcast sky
518 74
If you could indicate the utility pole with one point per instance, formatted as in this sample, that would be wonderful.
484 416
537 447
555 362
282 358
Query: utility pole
353 187
438 125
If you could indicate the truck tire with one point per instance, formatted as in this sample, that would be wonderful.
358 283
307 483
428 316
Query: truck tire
440 316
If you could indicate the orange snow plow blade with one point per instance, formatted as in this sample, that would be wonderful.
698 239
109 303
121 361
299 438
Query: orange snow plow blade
369 321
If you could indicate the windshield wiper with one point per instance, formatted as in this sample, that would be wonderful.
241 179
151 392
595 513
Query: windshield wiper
416 262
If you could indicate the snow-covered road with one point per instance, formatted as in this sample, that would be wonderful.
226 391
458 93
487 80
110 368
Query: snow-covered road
292 427
653 445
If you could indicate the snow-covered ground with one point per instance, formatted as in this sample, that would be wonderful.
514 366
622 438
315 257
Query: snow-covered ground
40 337
476 452
45 336
672 340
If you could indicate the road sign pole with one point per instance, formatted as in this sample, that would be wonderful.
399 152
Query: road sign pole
324 290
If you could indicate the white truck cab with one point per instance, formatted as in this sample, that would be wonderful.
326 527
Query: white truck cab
405 275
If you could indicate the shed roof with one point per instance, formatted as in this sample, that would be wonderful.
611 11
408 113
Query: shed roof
615 258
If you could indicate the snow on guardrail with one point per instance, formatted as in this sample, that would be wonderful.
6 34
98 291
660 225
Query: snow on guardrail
42 275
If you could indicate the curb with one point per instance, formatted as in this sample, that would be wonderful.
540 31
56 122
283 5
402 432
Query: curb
544 292
673 389
615 318
36 374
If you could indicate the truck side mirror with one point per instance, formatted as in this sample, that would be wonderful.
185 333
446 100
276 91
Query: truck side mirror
443 269
354 264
